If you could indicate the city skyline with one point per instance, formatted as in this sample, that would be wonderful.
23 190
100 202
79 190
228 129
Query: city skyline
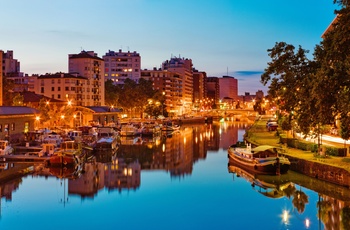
222 38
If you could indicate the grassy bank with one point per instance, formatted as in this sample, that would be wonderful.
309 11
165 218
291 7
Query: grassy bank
258 135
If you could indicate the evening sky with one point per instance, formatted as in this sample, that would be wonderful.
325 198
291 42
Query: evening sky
220 36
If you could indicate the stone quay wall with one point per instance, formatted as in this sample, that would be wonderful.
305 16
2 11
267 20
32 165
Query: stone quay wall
321 171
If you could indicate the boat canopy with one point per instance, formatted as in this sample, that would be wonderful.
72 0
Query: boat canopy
262 148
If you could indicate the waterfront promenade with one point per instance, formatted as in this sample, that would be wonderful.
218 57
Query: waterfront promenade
328 168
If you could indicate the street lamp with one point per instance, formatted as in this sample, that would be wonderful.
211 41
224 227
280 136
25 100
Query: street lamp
37 119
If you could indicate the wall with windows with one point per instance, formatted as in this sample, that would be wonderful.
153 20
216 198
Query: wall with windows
13 127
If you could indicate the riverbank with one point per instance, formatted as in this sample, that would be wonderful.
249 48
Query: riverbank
331 168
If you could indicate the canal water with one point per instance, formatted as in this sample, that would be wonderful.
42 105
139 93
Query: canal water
176 181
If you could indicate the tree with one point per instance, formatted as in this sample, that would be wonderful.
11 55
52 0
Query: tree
290 72
7 91
111 93
44 110
18 100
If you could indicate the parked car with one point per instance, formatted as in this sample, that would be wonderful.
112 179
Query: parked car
272 126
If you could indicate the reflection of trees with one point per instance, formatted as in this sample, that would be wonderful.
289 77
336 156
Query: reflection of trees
299 200
289 191
345 217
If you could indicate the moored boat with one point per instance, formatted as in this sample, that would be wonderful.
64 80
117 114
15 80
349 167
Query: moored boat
69 154
150 129
5 148
169 126
264 159
129 130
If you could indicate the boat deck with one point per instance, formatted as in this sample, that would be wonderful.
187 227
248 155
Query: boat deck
23 158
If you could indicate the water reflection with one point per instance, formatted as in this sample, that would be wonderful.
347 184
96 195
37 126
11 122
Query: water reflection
176 154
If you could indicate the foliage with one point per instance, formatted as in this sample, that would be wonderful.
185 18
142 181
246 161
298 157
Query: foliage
314 92
44 110
345 218
18 100
133 97
7 92
300 199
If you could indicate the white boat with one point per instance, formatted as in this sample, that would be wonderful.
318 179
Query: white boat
5 148
107 138
150 129
129 130
264 159
169 126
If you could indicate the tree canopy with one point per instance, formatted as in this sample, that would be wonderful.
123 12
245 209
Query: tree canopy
132 97
314 92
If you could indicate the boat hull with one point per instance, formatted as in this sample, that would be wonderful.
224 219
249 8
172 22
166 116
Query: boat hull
63 160
270 167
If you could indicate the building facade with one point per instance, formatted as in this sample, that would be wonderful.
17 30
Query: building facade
171 84
199 85
228 87
1 75
87 64
213 89
122 65
15 121
63 86
184 68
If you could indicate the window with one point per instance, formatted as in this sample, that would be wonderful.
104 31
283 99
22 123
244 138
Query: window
26 127
59 81
0 128
66 88
52 96
52 89
58 88
58 96
42 90
53 81
13 127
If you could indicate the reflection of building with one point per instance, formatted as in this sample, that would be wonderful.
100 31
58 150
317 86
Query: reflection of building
334 213
11 177
121 175
90 182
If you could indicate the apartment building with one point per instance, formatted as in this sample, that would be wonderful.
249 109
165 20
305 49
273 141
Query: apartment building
184 68
171 84
199 85
62 86
228 87
9 67
213 89
88 65
122 65
1 74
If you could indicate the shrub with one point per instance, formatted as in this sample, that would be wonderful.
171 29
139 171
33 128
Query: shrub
332 151
303 145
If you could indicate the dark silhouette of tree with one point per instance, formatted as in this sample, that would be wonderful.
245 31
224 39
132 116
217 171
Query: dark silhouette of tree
299 200
18 100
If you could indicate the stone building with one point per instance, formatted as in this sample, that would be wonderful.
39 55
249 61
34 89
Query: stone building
15 121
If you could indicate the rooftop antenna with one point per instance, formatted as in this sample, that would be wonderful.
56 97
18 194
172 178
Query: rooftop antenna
227 70
128 48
